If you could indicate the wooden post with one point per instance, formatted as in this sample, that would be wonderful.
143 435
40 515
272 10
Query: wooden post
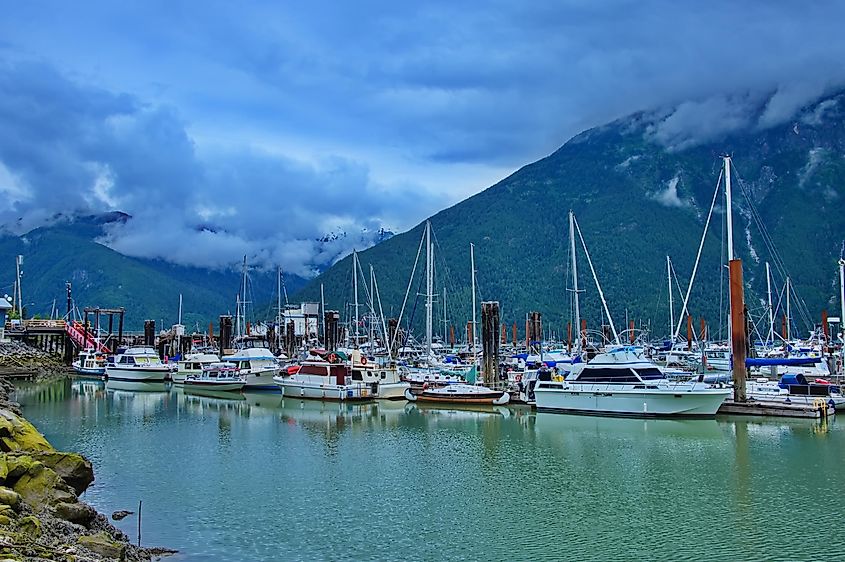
703 334
583 334
514 335
631 330
527 337
689 332
504 334
824 331
738 330
489 342
452 335
783 331
469 336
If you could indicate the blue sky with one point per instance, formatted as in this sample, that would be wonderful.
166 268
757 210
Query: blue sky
257 127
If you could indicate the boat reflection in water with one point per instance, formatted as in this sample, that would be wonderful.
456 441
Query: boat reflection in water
136 386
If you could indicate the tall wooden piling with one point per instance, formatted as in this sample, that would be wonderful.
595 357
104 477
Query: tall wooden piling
331 321
489 342
631 332
514 335
824 331
225 333
689 332
504 334
149 332
738 336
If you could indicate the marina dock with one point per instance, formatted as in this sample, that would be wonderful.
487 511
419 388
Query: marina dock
817 410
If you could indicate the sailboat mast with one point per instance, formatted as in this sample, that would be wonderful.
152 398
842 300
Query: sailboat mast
322 311
372 311
355 291
788 311
474 305
445 325
771 337
429 288
178 330
842 305
279 311
728 208
671 304
575 280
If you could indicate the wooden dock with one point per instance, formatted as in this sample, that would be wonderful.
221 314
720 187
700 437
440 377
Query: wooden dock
818 409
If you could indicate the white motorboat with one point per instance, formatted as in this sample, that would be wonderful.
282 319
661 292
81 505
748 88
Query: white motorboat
217 376
460 394
258 365
622 382
324 380
138 364
193 364
90 363
385 381
795 389
717 358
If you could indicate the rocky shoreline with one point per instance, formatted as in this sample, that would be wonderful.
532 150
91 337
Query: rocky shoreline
41 515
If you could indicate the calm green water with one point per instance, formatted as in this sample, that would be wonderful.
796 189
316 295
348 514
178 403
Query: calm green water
264 478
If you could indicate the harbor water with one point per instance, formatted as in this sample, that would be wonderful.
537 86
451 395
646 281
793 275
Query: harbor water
259 477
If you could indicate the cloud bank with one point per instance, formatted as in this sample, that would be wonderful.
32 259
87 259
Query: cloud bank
226 129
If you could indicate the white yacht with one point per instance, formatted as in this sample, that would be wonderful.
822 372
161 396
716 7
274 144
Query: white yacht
138 364
90 363
192 364
622 382
717 358
323 379
258 365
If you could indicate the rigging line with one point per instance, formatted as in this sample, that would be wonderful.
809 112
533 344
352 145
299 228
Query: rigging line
457 300
771 247
698 256
408 290
596 279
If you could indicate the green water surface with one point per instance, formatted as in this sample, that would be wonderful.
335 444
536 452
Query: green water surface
266 478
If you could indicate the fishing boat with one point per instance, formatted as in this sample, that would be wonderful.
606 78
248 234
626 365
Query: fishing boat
193 364
385 380
622 382
90 363
460 394
138 364
325 378
217 376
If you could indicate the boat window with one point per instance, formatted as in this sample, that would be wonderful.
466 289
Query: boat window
383 375
649 373
599 374
356 375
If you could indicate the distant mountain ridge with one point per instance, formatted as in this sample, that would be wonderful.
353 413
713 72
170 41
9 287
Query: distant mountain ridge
70 249
640 188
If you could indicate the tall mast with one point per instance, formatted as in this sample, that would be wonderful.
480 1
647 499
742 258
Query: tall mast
728 207
474 305
178 330
18 264
429 288
575 280
671 304
355 291
771 337
279 311
372 311
842 305
788 311
445 325
322 311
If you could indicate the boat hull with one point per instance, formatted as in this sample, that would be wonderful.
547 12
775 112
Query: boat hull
630 403
392 390
302 389
159 374
90 373
262 380
495 398
233 386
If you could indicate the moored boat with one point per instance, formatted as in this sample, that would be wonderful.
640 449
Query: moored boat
622 382
217 376
324 379
460 394
90 363
137 364
193 364
258 365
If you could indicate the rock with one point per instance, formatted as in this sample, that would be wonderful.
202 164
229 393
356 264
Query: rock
101 543
4 468
30 525
9 497
41 486
74 469
78 512
122 514
18 466
5 520
17 434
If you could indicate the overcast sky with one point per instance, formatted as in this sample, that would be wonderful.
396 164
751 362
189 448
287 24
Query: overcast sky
229 128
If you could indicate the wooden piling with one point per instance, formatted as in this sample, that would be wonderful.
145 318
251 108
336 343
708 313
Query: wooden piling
738 336
631 332
689 332
824 331
489 342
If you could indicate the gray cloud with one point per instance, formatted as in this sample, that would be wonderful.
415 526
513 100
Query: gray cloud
74 149
259 128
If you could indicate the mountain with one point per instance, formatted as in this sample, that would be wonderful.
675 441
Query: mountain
640 188
148 289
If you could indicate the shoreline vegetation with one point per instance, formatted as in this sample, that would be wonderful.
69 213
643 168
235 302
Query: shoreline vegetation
41 515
